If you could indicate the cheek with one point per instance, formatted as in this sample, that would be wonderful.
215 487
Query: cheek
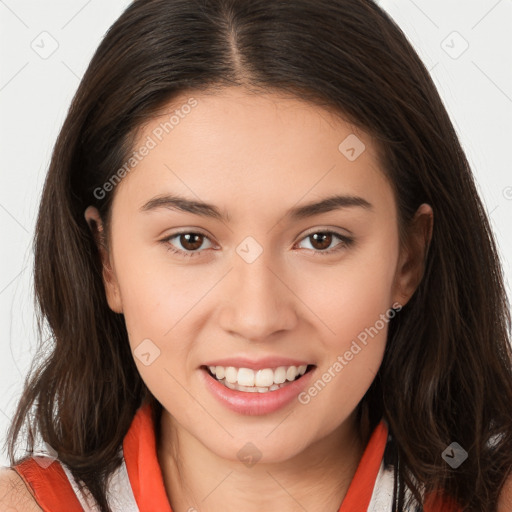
352 355
156 305
353 304
155 295
351 294
163 307
341 382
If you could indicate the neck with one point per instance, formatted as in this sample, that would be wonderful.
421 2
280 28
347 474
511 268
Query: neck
316 479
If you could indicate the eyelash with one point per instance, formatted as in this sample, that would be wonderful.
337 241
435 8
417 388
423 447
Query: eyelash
346 242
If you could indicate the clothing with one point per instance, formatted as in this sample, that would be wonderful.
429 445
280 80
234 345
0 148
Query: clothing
137 485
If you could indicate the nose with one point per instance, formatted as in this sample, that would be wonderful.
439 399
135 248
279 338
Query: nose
258 301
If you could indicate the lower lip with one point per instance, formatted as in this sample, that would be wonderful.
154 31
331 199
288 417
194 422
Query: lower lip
255 404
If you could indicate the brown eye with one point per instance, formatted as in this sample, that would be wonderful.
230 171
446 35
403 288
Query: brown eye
186 243
321 240
191 241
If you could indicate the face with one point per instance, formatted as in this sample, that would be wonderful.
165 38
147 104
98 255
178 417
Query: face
256 280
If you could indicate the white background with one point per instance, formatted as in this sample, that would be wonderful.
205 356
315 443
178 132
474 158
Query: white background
35 94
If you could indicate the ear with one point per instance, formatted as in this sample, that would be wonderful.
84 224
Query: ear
413 254
95 223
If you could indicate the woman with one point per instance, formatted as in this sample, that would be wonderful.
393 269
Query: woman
270 279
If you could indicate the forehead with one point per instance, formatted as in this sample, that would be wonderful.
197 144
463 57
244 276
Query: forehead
265 148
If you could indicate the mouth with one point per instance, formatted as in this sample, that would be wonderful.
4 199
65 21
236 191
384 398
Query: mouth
265 380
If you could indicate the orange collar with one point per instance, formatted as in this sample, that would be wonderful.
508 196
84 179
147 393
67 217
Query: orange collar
144 472
360 490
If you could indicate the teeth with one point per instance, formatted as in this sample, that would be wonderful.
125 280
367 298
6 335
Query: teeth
291 373
231 374
247 379
280 375
251 389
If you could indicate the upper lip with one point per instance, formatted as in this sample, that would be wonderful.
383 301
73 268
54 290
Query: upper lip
256 364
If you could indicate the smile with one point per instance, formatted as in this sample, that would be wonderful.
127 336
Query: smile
257 381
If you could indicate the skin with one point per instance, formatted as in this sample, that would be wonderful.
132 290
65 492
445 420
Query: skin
255 157
14 494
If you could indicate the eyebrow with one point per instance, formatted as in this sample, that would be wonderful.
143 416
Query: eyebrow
175 202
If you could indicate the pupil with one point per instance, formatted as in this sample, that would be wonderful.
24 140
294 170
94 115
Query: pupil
191 245
324 236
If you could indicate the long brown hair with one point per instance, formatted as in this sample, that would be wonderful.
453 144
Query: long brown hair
446 374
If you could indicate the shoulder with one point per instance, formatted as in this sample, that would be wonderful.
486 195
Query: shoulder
14 494
505 500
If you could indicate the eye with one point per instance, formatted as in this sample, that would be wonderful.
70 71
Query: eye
190 242
322 240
